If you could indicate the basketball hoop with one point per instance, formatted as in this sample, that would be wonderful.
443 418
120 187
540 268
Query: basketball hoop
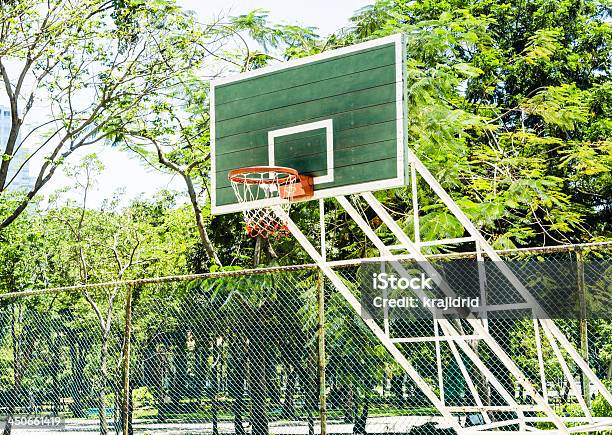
261 183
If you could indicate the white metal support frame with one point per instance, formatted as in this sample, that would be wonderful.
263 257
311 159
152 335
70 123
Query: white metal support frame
468 380
475 323
448 329
508 274
531 302
454 335
455 339
567 372
369 321
538 342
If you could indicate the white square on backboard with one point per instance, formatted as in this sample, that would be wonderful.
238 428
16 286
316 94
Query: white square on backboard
328 125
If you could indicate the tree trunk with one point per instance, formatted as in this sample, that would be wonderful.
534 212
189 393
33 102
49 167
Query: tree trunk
288 402
55 371
130 411
18 366
159 380
360 424
208 246
126 386
201 368
102 386
193 198
178 376
10 412
237 368
118 420
349 404
482 385
274 383
238 410
259 417
77 364
566 390
11 143
396 389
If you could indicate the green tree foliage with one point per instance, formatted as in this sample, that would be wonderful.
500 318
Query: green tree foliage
509 108
67 244
175 134
84 67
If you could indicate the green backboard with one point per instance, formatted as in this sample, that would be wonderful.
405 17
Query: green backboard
338 116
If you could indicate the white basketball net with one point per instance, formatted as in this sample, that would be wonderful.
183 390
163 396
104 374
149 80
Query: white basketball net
262 184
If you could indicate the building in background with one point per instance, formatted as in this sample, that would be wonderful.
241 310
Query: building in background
24 180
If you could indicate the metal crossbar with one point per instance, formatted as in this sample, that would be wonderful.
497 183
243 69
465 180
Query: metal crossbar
308 266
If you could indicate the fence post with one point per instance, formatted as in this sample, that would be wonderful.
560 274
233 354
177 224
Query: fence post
321 353
584 338
125 411
321 325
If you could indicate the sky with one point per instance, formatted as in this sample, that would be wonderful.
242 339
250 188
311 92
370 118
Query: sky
129 174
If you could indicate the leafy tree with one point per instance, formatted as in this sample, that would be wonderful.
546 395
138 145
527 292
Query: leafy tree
176 133
89 64
508 108
67 244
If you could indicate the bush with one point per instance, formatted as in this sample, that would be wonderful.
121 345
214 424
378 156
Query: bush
142 397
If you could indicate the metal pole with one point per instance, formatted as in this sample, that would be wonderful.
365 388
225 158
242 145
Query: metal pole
126 361
321 326
584 339
415 206
439 362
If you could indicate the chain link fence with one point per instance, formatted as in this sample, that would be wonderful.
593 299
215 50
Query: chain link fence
239 352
